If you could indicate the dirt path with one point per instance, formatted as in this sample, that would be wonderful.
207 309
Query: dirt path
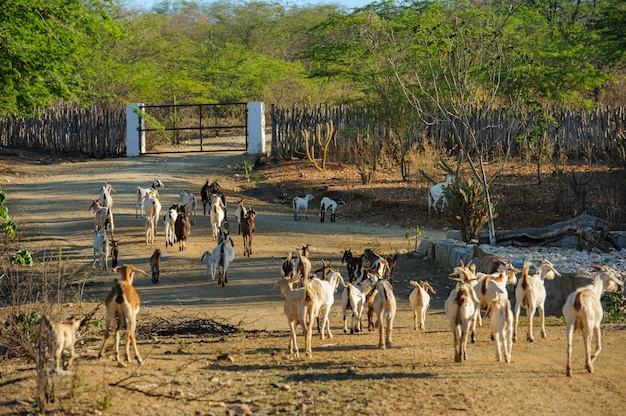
347 374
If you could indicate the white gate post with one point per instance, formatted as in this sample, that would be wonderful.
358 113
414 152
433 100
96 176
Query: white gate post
135 136
256 128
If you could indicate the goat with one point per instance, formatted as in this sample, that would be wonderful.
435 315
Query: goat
489 287
62 336
114 252
385 309
103 216
169 220
155 265
142 192
182 230
152 207
189 200
148 223
105 199
208 191
330 205
217 215
221 257
301 306
530 294
122 305
101 249
502 324
288 268
240 213
301 204
325 291
583 310
353 264
488 262
435 194
378 265
353 298
247 228
420 301
460 307
303 264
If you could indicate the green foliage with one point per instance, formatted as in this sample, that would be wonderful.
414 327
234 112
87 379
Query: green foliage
45 50
418 233
21 259
614 307
8 225
465 205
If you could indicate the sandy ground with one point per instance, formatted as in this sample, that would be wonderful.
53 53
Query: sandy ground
348 374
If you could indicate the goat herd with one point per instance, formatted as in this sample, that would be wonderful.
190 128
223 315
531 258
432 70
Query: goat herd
480 287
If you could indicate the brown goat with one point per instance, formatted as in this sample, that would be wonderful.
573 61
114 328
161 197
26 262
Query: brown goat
122 305
247 229
62 336
489 263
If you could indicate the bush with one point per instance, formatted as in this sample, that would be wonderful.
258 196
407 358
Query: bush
465 205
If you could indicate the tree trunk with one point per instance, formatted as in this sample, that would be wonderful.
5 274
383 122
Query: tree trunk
582 226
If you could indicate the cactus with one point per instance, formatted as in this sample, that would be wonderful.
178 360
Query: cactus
578 182
465 204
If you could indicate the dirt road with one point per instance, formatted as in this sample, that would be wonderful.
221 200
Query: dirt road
348 374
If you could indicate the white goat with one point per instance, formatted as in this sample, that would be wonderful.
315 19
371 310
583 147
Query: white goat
152 207
149 228
329 205
325 291
189 200
221 257
105 199
583 311
103 217
488 288
460 307
169 219
141 194
217 215
353 298
530 294
122 305
62 336
384 305
435 194
101 249
301 204
502 323
420 301
301 306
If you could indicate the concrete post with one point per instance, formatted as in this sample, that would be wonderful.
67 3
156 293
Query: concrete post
135 139
256 128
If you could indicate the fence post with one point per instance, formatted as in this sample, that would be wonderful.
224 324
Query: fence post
256 128
135 136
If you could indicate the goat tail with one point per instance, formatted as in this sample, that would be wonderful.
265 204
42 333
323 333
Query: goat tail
577 302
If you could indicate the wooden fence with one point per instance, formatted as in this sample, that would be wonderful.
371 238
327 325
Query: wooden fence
94 132
575 133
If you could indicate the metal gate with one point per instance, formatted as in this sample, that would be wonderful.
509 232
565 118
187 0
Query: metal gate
182 128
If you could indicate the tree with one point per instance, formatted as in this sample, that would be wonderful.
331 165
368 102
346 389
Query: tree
44 46
459 61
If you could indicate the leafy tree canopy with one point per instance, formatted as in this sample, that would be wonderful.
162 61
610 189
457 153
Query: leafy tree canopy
43 48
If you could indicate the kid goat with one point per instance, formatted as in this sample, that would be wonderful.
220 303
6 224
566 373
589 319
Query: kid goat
460 307
122 307
420 300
